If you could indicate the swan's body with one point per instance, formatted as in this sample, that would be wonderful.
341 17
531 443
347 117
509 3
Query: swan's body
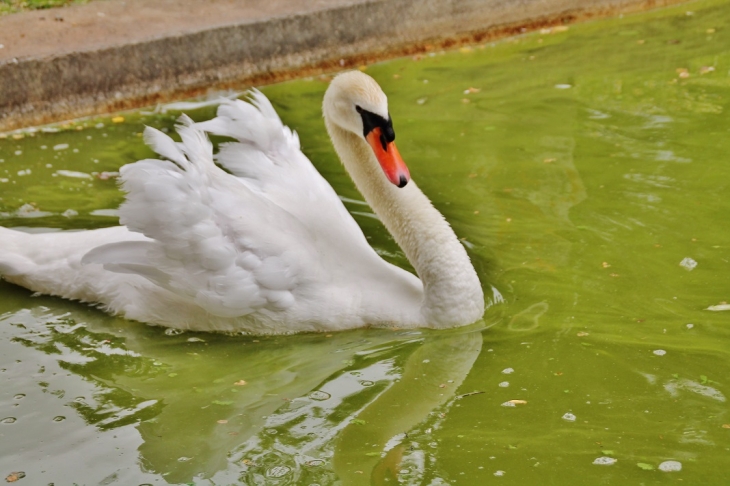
269 249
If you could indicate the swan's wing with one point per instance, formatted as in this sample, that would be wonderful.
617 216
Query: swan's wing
267 157
215 241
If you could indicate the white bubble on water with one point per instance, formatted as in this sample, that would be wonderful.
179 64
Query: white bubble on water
569 417
659 352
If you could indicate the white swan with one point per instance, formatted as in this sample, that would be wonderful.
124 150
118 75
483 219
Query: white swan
270 249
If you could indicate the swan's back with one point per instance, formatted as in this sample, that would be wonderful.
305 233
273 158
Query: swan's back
269 249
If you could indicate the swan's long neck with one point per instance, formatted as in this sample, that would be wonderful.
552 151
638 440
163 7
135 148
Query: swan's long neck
453 294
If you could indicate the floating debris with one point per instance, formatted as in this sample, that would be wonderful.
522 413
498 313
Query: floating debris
118 119
103 176
30 211
569 417
14 476
507 371
321 396
60 146
193 105
645 466
563 86
719 307
670 466
240 383
73 173
605 461
674 386
659 352
514 403
688 264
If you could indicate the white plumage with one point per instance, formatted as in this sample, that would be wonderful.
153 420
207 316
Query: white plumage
269 249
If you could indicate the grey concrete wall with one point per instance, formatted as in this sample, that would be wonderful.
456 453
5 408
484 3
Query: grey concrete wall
118 54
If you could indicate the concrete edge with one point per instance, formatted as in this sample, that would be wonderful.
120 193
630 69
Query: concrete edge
132 75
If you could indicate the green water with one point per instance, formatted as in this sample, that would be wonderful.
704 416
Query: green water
584 170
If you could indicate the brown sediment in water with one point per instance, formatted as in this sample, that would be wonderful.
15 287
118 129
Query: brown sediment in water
90 63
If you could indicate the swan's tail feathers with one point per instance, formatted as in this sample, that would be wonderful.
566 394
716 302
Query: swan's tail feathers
12 261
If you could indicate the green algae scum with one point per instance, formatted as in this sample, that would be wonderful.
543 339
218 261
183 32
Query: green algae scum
586 170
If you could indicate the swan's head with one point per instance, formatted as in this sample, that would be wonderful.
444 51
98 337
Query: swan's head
356 103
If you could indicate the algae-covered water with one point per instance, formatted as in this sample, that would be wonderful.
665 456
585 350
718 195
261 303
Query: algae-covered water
588 172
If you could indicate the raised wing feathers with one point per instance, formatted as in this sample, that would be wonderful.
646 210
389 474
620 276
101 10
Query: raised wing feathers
267 158
213 239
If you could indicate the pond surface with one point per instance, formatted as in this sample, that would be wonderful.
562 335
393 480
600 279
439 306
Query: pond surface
586 170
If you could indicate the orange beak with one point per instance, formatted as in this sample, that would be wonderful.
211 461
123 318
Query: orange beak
390 160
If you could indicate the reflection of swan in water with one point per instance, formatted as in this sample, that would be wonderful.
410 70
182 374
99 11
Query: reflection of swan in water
293 417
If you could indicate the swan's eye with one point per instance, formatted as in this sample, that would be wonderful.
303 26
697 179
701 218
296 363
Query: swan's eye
370 121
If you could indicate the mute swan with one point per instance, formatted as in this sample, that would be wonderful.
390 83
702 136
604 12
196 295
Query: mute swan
270 249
